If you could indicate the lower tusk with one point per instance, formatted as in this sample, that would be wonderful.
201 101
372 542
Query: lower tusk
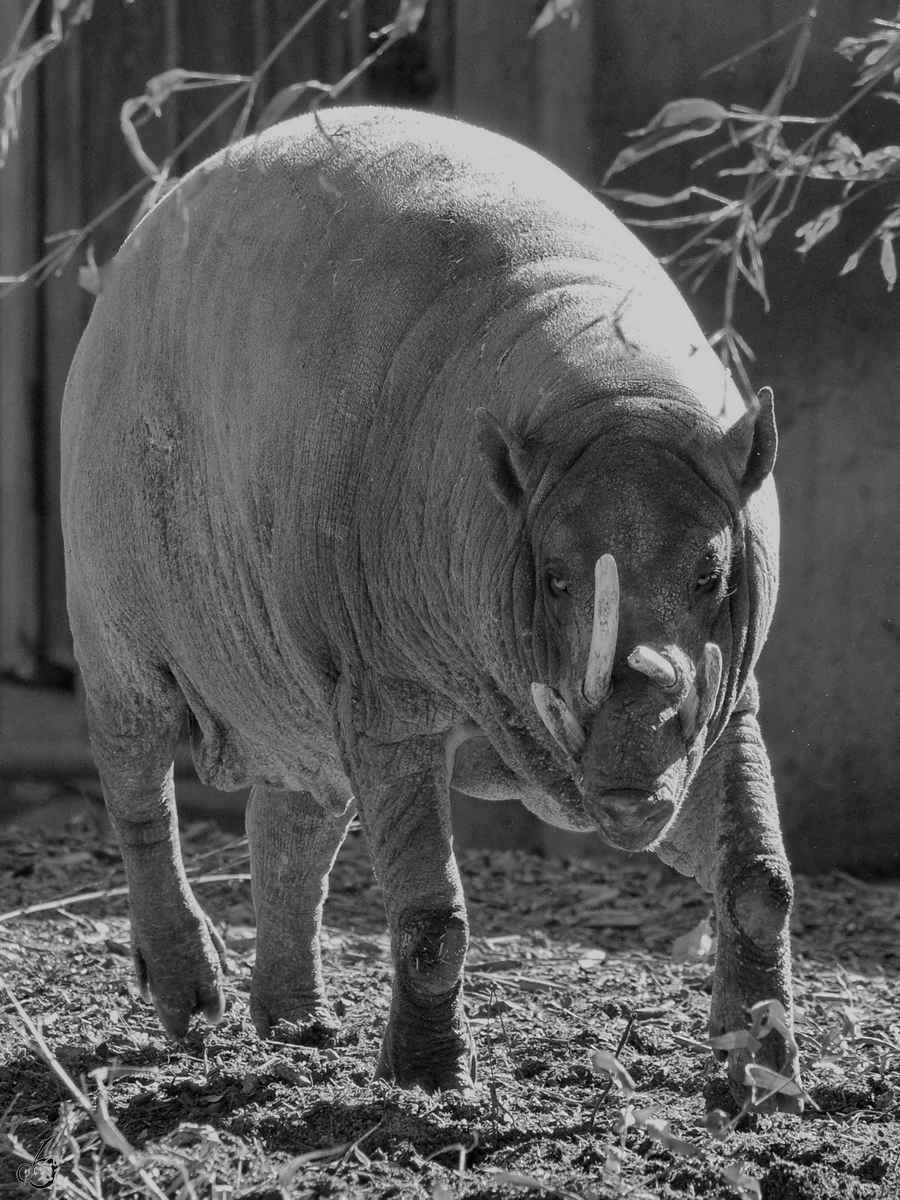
558 717
696 712
712 670
652 664
687 714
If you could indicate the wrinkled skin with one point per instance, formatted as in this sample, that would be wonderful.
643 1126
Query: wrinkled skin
342 453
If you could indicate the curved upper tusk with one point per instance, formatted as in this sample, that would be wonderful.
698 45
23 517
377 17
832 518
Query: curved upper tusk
558 717
695 712
652 664
604 632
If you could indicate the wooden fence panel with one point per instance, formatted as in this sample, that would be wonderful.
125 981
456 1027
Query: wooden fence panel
492 84
73 162
19 379
564 83
540 90
225 39
64 308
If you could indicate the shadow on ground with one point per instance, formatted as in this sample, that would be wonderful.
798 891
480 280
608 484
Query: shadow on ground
567 956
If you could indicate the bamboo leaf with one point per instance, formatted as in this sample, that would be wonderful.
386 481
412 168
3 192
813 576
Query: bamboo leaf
514 1179
96 278
290 1168
646 199
553 9
409 15
884 60
739 1039
684 112
811 232
661 1131
158 89
888 261
708 218
764 1077
606 1063
282 101
676 122
746 1186
767 1015
697 946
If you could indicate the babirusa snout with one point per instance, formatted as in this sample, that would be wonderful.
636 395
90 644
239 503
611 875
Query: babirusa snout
558 717
652 664
604 632
696 710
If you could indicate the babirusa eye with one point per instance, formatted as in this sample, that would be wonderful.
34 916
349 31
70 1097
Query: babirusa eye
708 577
557 585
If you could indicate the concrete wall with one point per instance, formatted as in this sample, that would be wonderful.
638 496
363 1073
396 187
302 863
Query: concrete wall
830 348
831 670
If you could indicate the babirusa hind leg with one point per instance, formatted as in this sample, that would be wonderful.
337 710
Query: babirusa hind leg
293 844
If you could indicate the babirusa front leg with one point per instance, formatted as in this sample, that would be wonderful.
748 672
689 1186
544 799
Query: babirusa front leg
754 894
293 845
728 835
404 808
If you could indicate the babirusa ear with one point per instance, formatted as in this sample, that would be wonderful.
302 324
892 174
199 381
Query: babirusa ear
503 455
753 442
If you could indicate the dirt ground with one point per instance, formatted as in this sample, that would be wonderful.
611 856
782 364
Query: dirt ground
566 959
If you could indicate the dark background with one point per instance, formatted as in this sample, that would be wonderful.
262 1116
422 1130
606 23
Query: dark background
828 346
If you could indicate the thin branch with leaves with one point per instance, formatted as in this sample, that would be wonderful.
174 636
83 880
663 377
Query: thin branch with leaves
158 178
735 230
